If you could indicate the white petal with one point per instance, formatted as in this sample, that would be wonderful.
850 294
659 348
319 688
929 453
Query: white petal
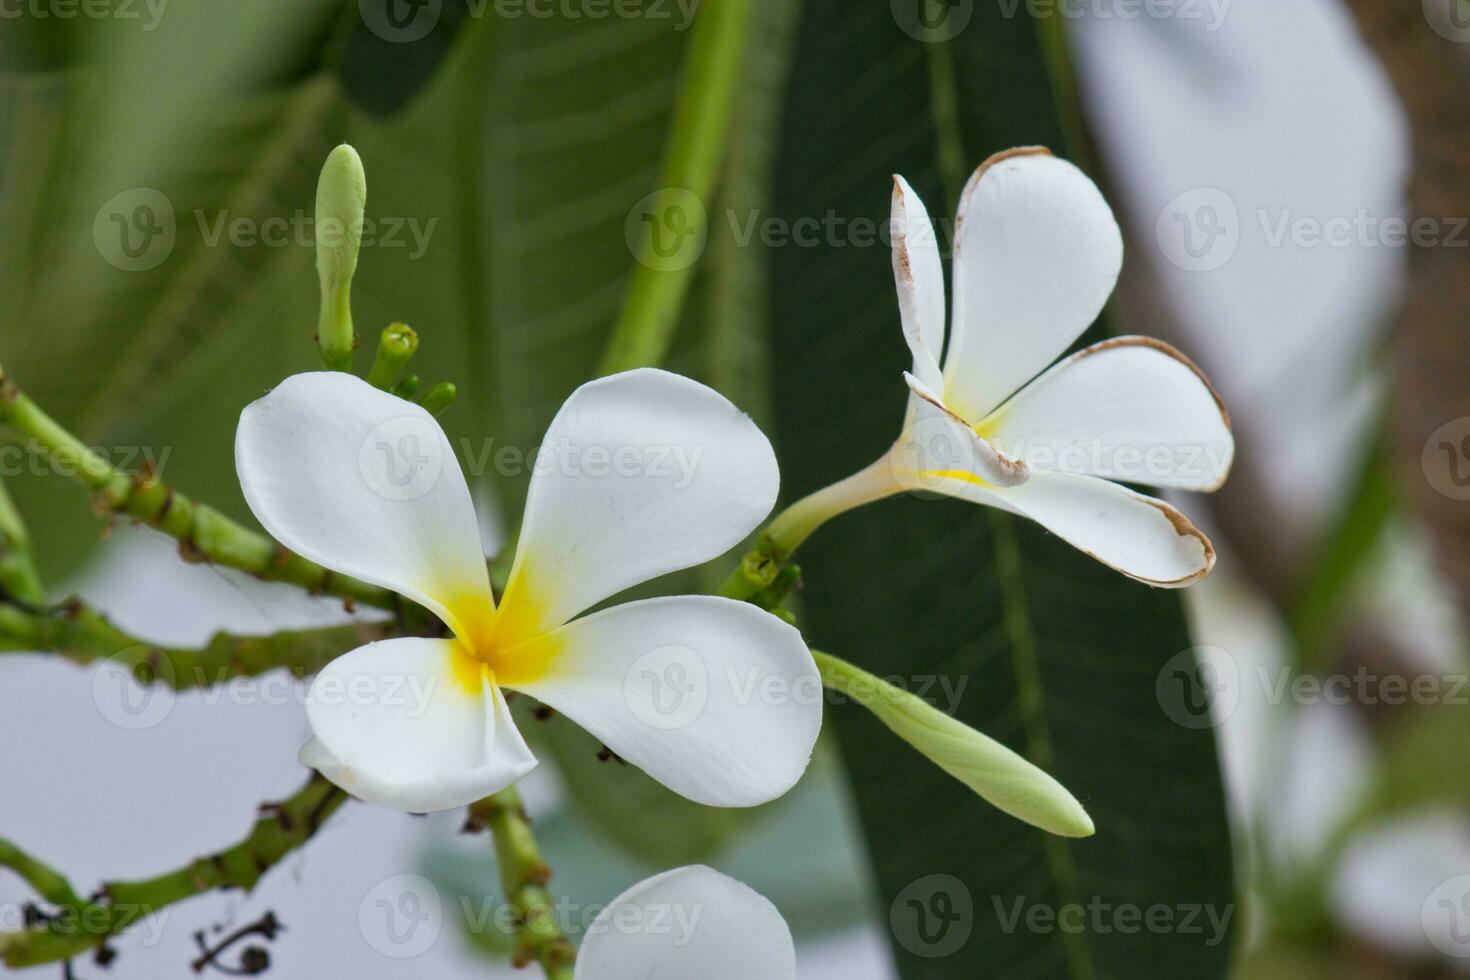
1144 538
1131 409
920 280
685 924
937 444
366 484
413 724
716 699
1037 253
640 474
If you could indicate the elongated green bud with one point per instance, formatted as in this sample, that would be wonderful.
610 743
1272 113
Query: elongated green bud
999 775
396 347
341 197
407 388
438 398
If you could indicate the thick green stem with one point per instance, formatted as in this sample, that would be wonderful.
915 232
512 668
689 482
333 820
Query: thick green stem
523 876
82 634
83 925
18 576
697 142
203 533
778 542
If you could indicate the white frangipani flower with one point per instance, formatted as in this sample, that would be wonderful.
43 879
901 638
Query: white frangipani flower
687 923
1037 253
367 485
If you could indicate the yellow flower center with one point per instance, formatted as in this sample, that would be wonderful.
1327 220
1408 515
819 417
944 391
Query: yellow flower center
510 644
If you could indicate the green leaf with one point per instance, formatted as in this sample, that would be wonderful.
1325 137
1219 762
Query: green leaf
1059 655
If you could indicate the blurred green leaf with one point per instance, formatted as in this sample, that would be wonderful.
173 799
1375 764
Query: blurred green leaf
387 62
1061 656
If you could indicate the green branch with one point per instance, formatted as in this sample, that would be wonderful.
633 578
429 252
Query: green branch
18 576
203 533
523 875
85 636
697 142
78 925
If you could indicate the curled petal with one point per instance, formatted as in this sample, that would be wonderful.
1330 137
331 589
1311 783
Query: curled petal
687 923
938 445
1144 538
413 724
1037 253
920 280
366 484
1131 409
640 474
716 699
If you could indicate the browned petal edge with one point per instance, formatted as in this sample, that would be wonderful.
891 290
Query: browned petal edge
1014 470
1135 340
984 168
901 253
1184 527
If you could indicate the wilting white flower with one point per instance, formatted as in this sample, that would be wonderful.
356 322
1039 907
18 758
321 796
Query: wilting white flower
366 484
688 923
1036 255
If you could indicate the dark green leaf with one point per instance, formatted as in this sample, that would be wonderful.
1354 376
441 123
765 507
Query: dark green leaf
1060 655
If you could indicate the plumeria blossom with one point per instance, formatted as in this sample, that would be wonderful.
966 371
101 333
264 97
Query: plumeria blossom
687 923
366 484
1037 253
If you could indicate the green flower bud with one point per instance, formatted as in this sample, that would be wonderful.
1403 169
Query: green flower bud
999 775
341 197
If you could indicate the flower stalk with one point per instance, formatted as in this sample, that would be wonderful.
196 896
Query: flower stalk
18 576
282 828
523 876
